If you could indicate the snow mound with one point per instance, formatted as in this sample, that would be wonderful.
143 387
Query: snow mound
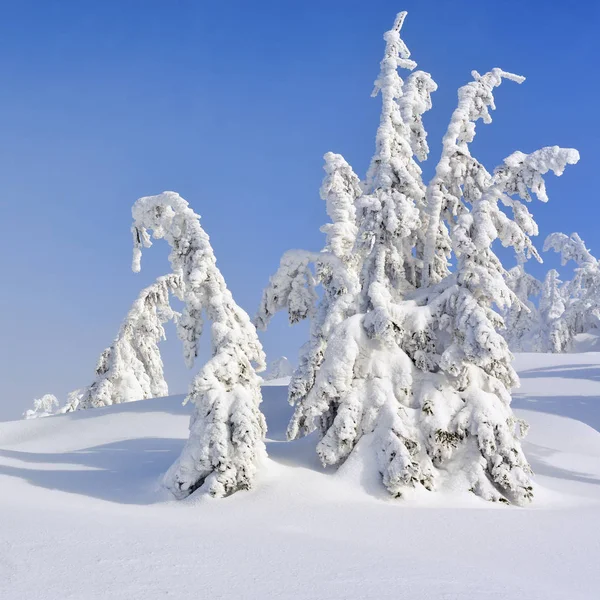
84 516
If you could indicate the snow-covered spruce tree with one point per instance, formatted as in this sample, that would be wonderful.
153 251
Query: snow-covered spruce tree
522 318
227 428
422 367
131 367
580 297
360 378
553 334
292 287
278 369
45 406
468 415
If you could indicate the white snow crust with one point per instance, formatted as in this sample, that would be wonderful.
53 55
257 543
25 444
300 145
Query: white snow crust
83 515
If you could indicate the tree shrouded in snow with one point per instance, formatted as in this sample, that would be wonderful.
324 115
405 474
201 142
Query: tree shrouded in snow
411 358
473 355
227 429
278 369
579 298
553 334
521 319
292 287
131 367
45 406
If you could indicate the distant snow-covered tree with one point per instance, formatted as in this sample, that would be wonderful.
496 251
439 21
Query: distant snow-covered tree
227 429
278 369
522 318
579 298
553 332
45 406
131 367
415 361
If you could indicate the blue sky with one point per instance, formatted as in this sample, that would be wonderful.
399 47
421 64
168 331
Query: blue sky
233 105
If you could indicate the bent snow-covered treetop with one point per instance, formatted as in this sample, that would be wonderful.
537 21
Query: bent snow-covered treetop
227 429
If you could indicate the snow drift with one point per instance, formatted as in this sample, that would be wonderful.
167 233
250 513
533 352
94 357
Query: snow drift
82 509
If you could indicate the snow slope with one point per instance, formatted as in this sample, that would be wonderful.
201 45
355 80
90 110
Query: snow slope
82 516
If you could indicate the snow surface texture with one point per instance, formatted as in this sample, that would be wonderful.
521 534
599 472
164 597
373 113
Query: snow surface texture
84 516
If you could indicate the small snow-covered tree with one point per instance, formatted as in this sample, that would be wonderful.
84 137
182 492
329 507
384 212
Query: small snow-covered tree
553 333
580 297
45 406
279 369
416 362
227 429
131 367
522 318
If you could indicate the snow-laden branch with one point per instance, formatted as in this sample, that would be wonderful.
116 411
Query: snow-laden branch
570 248
457 172
291 288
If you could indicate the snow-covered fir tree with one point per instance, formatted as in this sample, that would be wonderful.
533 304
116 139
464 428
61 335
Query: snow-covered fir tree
522 318
45 406
579 298
292 287
414 364
279 369
227 429
472 408
131 367
553 334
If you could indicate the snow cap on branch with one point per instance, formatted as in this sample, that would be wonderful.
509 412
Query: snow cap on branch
291 287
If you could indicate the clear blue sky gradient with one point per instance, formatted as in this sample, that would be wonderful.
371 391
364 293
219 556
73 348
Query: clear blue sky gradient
233 105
